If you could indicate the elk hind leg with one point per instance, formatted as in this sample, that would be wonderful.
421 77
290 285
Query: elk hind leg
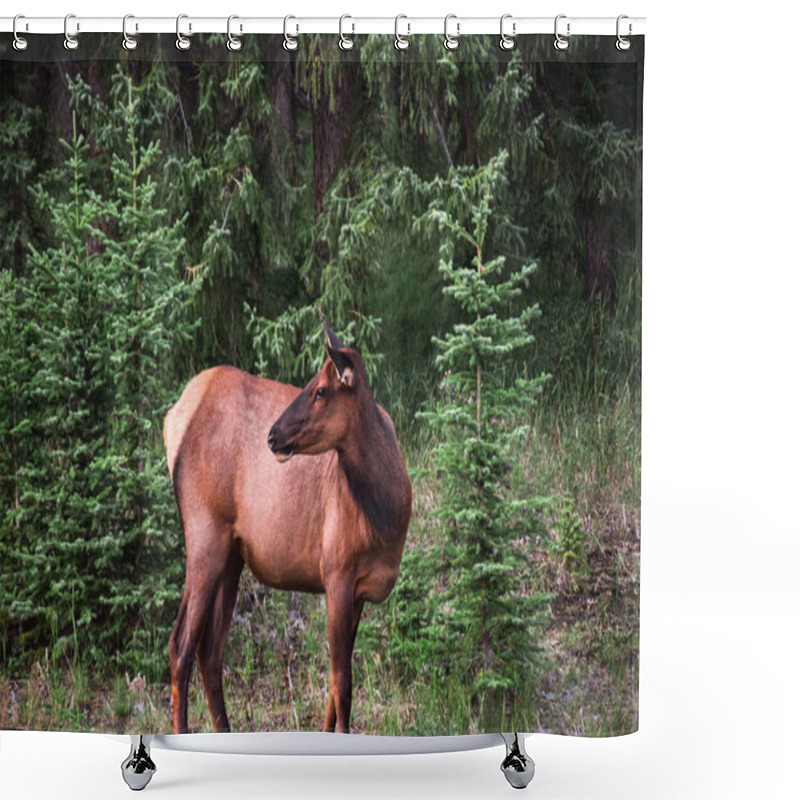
212 642
204 577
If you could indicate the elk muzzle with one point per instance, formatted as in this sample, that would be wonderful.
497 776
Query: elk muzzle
282 450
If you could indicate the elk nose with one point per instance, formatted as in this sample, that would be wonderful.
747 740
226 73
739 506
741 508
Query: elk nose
271 439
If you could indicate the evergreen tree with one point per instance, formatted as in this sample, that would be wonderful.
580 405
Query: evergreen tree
492 613
68 401
15 373
97 318
145 329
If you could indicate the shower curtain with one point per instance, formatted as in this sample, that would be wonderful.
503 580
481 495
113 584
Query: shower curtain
441 248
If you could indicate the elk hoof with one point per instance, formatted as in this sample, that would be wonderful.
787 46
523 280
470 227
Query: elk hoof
138 768
517 766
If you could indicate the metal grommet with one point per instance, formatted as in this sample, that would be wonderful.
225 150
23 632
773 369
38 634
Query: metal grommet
20 43
561 42
128 42
451 42
70 42
182 42
400 42
345 42
289 42
507 42
234 43
623 43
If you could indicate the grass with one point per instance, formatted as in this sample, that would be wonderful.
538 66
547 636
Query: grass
586 558
592 459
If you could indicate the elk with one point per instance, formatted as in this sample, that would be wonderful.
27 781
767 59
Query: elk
332 520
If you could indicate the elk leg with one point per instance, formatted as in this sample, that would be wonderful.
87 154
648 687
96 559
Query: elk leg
180 668
330 711
203 580
344 615
212 643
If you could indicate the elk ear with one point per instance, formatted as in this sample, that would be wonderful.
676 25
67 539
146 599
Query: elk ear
334 342
345 370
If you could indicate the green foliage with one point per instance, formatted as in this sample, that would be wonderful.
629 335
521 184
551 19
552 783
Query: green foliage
17 163
350 229
489 625
97 317
571 544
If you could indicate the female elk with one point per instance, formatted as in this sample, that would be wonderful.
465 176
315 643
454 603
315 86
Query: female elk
334 523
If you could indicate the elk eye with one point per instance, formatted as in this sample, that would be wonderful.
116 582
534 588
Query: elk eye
319 393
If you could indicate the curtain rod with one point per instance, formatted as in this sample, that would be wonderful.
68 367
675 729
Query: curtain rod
406 25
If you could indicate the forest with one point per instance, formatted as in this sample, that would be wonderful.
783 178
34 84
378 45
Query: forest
470 222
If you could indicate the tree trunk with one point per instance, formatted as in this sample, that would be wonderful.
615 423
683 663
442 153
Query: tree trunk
331 119
331 123
281 96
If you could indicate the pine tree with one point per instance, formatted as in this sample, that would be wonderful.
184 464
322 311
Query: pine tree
146 297
15 373
98 317
67 403
492 612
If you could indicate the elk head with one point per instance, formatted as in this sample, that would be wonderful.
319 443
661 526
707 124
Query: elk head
321 415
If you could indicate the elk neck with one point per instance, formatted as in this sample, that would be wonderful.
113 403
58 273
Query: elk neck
374 470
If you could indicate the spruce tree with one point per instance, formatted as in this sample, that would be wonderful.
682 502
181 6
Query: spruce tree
98 316
145 294
15 373
67 402
491 613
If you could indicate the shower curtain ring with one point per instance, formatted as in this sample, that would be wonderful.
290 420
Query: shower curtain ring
70 42
451 42
20 42
234 43
182 42
623 43
400 42
345 42
561 42
289 42
128 42
507 42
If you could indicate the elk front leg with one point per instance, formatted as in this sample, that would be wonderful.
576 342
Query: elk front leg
343 616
